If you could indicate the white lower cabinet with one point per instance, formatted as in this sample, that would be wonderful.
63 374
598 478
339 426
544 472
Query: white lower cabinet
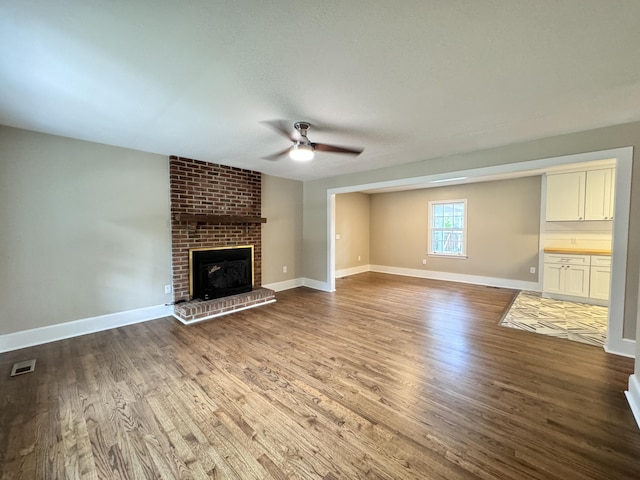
553 278
566 275
576 281
600 280
582 276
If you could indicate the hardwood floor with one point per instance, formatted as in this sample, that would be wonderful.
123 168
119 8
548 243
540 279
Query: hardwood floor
389 377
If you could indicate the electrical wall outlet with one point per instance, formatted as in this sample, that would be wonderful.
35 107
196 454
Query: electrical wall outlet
167 289
359 258
532 270
424 261
284 269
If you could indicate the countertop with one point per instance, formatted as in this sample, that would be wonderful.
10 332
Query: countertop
577 251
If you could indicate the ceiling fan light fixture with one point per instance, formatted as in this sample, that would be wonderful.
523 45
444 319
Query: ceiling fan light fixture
303 149
301 152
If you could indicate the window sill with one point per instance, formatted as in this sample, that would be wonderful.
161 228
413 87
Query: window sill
444 255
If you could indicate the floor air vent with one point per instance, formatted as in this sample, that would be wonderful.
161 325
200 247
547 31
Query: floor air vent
26 366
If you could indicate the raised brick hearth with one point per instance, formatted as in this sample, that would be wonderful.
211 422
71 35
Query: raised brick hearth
202 188
198 310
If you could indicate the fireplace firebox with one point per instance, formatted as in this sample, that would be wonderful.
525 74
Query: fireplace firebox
220 272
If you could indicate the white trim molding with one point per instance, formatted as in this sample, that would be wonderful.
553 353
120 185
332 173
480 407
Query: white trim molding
458 277
285 285
317 285
619 253
624 348
345 272
633 396
76 328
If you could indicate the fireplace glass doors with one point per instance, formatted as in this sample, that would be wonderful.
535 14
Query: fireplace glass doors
220 272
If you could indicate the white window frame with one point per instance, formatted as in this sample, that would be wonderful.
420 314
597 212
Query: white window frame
431 228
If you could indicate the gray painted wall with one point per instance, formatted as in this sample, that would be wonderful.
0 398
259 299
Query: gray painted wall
503 228
282 234
85 230
352 224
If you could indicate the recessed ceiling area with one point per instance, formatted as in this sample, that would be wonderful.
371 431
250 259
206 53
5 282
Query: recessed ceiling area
407 81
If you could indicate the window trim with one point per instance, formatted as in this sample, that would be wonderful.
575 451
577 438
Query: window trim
430 228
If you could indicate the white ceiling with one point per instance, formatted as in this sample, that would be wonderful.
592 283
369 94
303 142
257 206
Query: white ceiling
406 80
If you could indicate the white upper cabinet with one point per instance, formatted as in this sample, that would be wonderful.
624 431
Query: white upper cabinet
565 197
599 194
578 196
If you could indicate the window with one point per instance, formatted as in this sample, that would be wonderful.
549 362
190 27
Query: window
448 228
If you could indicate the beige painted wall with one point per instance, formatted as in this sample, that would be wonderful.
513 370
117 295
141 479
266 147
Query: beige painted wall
315 193
352 224
503 223
282 234
84 230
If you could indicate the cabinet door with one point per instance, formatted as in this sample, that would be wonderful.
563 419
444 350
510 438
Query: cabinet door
576 280
552 278
600 280
565 197
599 195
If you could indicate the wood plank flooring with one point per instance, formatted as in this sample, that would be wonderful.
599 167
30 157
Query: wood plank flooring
387 378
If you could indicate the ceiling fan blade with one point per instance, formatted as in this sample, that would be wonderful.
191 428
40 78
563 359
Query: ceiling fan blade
281 127
321 147
276 156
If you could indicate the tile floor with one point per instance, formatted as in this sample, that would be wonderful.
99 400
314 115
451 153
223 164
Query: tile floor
575 321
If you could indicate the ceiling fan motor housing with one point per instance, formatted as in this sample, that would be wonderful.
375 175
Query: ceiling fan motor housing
302 148
302 128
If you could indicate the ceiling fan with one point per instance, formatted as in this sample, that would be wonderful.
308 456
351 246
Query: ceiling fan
303 149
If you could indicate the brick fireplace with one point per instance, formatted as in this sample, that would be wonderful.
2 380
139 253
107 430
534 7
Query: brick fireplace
205 189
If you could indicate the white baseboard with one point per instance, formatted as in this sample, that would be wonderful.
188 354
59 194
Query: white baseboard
623 347
458 277
60 331
299 282
345 272
316 284
633 396
286 285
